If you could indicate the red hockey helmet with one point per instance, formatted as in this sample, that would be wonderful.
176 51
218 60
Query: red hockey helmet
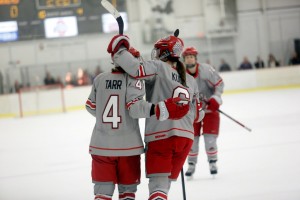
169 46
190 51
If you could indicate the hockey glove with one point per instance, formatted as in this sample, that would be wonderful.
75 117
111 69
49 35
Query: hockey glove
134 52
213 105
116 42
170 109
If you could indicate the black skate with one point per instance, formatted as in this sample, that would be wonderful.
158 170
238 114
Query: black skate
191 170
213 167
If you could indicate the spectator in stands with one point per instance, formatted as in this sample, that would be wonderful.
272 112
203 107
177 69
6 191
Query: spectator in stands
272 62
259 63
86 78
70 80
49 80
83 77
245 64
74 80
294 60
59 81
224 67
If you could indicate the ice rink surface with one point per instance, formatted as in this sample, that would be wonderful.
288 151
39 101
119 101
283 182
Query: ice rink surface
46 157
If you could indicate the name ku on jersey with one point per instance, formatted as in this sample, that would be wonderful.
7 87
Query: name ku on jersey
176 77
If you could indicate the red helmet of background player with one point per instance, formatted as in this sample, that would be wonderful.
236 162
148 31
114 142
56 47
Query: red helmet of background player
190 51
169 46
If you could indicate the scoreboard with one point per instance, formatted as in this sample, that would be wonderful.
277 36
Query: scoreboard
40 19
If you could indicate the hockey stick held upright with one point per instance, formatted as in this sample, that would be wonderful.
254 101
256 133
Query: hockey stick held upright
183 184
112 10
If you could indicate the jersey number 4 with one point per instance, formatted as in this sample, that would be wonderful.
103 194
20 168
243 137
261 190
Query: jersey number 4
111 112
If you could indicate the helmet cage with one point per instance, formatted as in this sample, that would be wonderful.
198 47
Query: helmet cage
155 54
177 49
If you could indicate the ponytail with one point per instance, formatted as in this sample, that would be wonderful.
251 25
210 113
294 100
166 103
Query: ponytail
180 69
117 69
182 72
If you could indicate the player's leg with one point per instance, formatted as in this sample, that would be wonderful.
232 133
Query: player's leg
193 154
129 175
211 151
104 183
158 168
181 150
103 191
127 191
211 126
159 187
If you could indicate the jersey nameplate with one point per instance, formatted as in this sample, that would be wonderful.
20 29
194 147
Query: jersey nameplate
113 84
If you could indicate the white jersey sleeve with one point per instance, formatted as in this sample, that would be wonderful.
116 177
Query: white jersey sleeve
135 67
90 104
135 103
209 82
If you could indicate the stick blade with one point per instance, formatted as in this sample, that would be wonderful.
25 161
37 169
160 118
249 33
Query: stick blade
112 10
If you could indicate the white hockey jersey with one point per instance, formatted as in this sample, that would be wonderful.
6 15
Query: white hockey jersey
162 82
115 132
210 83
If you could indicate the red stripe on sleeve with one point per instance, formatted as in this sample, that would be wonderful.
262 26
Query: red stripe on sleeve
90 104
131 103
141 71
216 84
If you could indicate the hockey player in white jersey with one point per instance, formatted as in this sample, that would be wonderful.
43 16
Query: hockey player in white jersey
168 142
116 142
210 86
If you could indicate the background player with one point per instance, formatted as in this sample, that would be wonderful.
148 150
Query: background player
210 86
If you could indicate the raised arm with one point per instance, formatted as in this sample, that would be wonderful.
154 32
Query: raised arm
129 59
